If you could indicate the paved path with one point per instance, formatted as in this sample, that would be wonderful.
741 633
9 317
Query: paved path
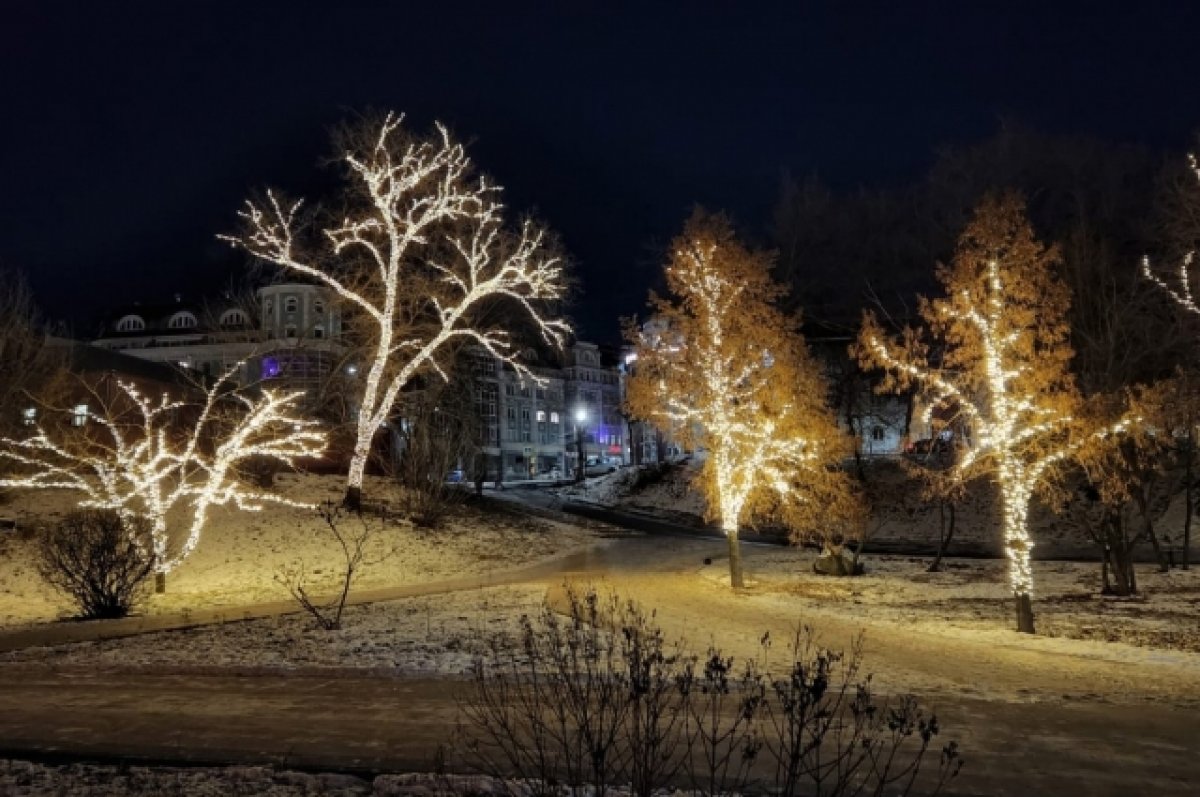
367 725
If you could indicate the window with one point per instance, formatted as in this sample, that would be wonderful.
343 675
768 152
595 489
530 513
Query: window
318 306
131 323
233 318
525 415
554 417
182 320
512 413
268 305
291 304
541 415
318 332
79 416
510 390
289 331
29 416
877 433
540 393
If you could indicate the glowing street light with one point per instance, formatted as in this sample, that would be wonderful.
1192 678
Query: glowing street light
580 418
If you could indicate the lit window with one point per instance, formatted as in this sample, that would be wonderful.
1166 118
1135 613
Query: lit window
79 415
554 417
29 416
233 318
541 415
131 323
183 320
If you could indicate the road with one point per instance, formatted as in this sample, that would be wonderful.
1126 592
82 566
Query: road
1030 720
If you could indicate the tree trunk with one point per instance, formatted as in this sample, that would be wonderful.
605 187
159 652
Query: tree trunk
947 522
1143 505
1024 613
1120 556
1188 490
736 577
1017 547
353 499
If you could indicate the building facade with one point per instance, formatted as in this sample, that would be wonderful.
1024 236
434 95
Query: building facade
531 428
536 428
288 332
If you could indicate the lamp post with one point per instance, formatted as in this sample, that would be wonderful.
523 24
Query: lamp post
580 417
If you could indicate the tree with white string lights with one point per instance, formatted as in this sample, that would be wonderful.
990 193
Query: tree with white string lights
1001 332
419 256
726 371
134 456
1183 293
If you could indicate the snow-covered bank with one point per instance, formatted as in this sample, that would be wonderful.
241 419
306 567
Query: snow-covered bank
241 552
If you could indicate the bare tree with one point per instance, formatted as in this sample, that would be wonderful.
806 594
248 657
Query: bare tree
419 251
31 366
353 546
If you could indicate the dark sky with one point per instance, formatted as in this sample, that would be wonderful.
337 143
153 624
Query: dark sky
130 132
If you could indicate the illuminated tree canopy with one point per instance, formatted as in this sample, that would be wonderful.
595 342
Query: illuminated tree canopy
1001 334
419 252
136 457
724 370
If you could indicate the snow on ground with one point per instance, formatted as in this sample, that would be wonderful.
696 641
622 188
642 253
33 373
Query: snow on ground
671 494
28 779
908 523
440 635
241 552
972 595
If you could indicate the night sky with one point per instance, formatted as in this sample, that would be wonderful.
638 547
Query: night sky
132 132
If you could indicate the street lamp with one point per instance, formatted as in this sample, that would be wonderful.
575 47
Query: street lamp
580 417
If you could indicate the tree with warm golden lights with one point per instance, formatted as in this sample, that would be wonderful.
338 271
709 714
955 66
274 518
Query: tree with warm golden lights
1001 332
134 456
726 371
417 256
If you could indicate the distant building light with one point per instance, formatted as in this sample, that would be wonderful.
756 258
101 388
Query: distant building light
29 416
352 369
631 357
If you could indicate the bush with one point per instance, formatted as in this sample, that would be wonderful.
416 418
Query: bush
99 560
648 475
598 699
